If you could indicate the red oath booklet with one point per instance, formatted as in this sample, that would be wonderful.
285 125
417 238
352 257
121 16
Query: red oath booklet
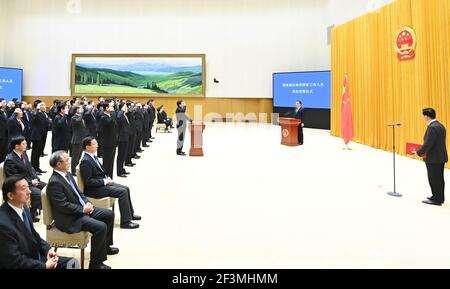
411 148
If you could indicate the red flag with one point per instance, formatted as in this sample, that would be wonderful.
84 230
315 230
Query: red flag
346 114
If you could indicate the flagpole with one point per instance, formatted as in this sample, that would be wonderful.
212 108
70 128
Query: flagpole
394 193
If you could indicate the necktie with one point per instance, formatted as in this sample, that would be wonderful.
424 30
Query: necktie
21 124
98 163
22 157
80 199
26 222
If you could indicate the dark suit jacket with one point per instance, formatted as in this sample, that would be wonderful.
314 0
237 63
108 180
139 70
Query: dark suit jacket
93 176
91 124
123 128
139 117
132 120
152 113
26 119
146 119
61 132
19 249
3 124
66 207
14 166
78 129
434 144
39 125
14 128
108 129
182 118
299 114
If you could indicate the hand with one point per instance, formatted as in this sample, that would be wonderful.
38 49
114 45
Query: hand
109 182
303 125
51 253
34 182
88 208
51 263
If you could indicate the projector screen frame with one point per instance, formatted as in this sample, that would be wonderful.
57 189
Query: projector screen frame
21 86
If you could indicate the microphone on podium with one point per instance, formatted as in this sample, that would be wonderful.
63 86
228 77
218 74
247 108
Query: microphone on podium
395 124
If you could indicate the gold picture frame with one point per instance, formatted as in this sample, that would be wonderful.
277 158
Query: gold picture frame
138 75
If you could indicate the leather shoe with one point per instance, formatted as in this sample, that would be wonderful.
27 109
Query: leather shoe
38 173
431 202
152 137
122 175
136 218
36 219
181 154
130 165
129 225
41 171
112 250
145 146
98 266
127 173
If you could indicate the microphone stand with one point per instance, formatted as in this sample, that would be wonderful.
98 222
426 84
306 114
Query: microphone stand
394 193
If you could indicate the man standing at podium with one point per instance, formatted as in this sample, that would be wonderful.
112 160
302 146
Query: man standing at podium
182 120
298 113
436 156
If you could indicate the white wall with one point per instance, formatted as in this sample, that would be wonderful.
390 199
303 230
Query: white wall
3 30
244 40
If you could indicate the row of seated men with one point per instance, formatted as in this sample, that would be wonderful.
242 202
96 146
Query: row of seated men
116 124
71 209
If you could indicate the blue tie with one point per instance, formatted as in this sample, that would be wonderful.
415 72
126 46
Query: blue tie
82 202
26 222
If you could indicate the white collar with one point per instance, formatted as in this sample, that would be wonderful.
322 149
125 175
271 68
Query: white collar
17 153
63 174
91 155
19 211
434 120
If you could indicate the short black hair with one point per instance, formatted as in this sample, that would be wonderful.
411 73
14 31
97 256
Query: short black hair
61 106
9 186
105 104
430 112
87 141
1 99
16 141
121 105
179 102
299 101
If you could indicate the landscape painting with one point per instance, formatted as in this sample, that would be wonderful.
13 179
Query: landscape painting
138 75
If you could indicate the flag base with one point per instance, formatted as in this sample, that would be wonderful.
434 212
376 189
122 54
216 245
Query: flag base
394 194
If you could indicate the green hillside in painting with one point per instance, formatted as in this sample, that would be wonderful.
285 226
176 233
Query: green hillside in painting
104 81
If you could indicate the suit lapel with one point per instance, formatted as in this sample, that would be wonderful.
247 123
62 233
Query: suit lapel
21 226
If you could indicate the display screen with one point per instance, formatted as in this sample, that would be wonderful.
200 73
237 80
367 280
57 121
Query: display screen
313 89
11 83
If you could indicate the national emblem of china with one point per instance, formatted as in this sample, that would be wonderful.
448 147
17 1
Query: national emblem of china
405 44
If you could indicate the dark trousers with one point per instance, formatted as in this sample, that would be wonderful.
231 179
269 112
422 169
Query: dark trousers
138 140
300 134
36 153
36 198
75 154
145 136
3 149
130 149
116 191
122 150
44 140
151 127
65 263
100 224
436 180
108 160
180 140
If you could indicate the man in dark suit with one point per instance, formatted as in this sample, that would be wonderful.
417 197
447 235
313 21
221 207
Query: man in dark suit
78 134
39 124
3 130
90 121
108 126
15 125
139 116
152 115
123 139
61 129
74 213
146 132
436 156
132 139
22 247
182 120
17 163
98 184
26 119
298 113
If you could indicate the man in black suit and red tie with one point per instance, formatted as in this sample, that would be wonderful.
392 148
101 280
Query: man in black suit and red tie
436 156
17 163
298 113
21 246
74 213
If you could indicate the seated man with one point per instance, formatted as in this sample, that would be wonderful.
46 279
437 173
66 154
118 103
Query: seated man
21 246
17 163
97 184
73 213
162 118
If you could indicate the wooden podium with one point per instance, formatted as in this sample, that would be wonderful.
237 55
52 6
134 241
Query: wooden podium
196 129
289 131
